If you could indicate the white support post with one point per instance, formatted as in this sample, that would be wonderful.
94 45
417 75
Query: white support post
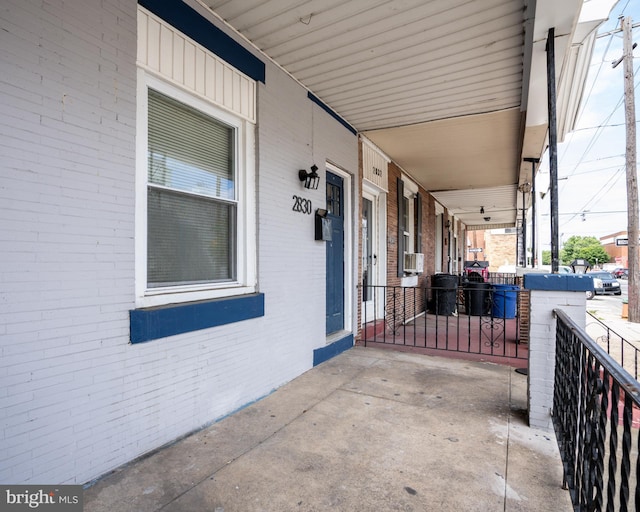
549 292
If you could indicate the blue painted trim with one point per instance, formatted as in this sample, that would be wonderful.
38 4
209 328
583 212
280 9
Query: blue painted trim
331 112
559 282
189 22
320 355
162 321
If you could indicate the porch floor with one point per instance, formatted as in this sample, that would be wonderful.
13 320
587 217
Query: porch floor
368 430
474 338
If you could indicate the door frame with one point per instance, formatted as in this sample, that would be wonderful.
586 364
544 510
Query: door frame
439 236
378 198
349 284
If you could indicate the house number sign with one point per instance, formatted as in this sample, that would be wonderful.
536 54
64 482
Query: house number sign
302 205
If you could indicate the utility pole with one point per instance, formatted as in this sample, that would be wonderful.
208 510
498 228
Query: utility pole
632 172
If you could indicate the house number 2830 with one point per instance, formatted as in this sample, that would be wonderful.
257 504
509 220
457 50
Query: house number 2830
302 205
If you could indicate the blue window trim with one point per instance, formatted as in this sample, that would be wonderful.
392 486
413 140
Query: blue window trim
331 112
189 22
159 322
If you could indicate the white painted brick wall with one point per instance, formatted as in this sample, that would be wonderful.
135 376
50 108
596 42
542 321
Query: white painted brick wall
76 400
542 348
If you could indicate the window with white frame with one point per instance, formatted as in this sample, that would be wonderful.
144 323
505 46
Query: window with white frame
191 196
408 224
409 210
194 238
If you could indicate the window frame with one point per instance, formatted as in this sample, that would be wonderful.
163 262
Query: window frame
245 282
410 194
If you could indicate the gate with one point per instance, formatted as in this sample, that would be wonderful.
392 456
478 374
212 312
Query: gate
488 321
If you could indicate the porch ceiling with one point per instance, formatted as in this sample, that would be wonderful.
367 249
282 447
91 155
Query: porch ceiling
441 86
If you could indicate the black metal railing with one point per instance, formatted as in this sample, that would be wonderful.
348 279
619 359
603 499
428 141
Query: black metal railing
502 278
595 416
476 318
472 275
619 348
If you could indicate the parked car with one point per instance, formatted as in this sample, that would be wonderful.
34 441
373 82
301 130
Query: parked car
597 284
604 282
621 273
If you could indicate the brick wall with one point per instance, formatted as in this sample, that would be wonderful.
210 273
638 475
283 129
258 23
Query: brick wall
428 233
392 226
360 269
401 306
500 249
77 400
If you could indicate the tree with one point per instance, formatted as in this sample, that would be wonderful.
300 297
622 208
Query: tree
546 257
584 247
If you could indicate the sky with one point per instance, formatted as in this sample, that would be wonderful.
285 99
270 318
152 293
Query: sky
592 194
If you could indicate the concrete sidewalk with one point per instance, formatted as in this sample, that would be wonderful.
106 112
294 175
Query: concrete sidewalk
370 430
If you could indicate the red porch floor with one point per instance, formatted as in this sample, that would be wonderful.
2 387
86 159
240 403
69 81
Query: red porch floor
475 338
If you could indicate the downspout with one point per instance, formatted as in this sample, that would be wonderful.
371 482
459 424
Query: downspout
534 260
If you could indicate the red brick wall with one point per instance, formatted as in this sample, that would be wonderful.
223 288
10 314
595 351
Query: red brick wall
392 226
415 303
428 230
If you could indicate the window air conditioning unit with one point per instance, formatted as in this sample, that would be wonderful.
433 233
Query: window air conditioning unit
414 262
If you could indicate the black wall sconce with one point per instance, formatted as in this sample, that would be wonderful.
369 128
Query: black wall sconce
311 179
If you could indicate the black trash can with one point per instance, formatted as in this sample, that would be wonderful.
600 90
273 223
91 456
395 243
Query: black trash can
445 287
478 298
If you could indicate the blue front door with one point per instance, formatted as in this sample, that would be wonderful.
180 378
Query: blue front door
335 254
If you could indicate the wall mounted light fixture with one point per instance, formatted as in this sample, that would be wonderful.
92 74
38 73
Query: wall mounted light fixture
311 178
481 210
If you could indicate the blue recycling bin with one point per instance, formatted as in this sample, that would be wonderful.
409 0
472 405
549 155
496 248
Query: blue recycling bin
505 298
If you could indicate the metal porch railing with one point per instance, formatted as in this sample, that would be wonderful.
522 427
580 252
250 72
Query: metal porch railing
595 416
474 318
620 349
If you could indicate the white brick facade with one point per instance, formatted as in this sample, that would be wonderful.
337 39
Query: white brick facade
542 348
76 399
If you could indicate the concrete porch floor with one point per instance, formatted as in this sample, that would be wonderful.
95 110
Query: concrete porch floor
369 430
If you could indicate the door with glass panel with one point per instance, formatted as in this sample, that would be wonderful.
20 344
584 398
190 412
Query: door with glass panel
335 254
371 296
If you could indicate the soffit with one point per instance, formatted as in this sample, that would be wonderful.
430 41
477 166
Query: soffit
386 63
438 85
475 151
497 204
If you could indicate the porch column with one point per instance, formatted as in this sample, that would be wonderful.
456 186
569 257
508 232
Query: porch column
549 292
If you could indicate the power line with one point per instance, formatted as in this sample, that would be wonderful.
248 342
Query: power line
600 128
588 212
600 169
590 145
615 30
